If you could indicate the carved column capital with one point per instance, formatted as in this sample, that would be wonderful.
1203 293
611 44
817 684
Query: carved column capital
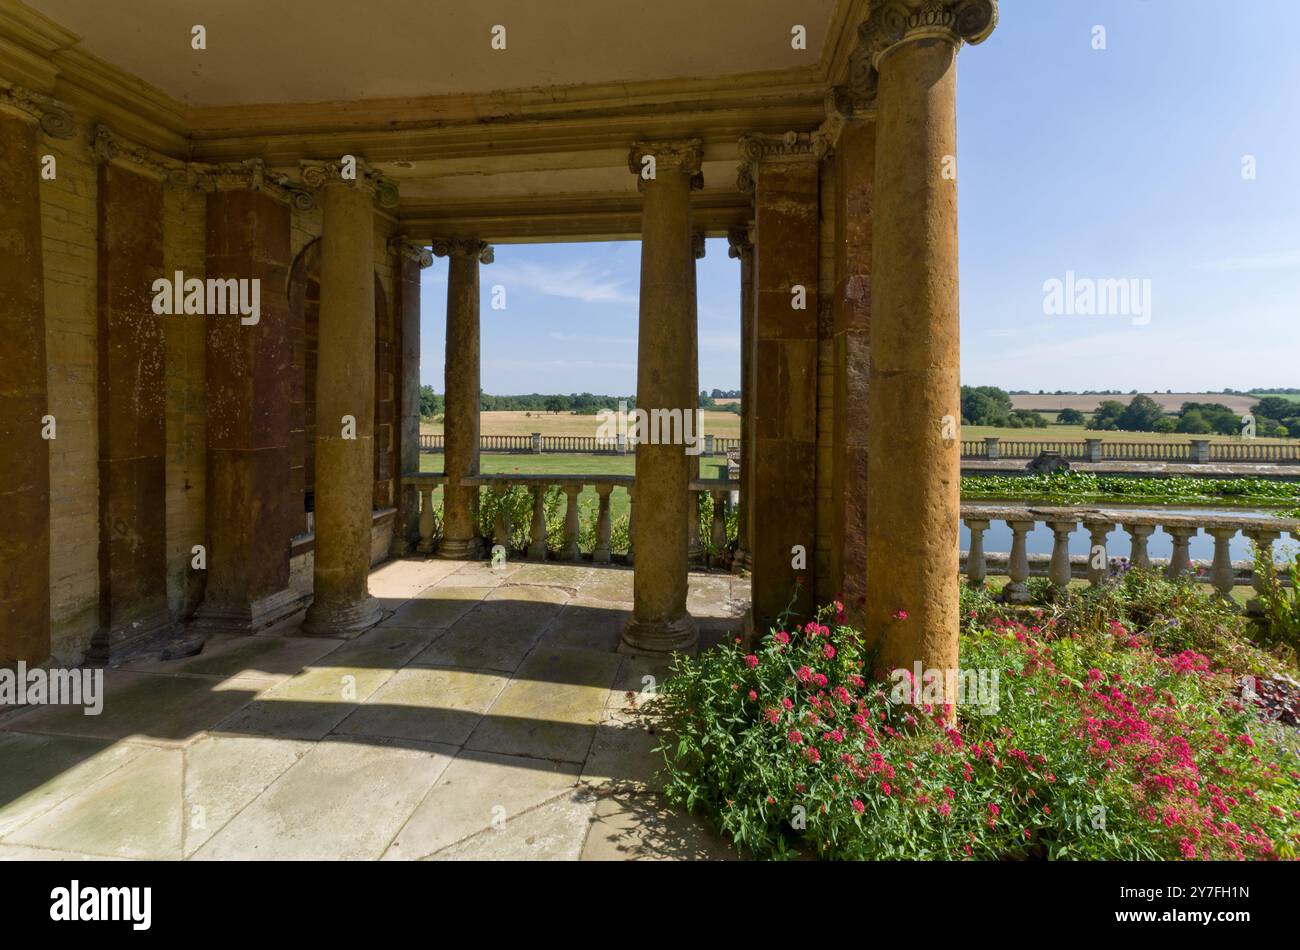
109 147
54 117
351 170
895 22
402 246
757 149
739 242
248 175
683 155
697 244
463 247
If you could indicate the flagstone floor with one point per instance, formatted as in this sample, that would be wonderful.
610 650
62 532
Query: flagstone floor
488 716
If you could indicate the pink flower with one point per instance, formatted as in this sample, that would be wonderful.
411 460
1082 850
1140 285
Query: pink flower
828 651
944 809
900 614
794 736
787 703
781 637
858 806
753 695
886 788
751 661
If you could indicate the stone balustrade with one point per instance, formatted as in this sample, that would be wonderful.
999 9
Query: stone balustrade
538 444
1194 451
1060 568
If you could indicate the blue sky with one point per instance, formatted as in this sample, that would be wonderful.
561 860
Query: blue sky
1122 163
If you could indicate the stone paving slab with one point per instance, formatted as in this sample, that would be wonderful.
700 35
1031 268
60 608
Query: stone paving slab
435 705
161 709
341 801
478 792
488 717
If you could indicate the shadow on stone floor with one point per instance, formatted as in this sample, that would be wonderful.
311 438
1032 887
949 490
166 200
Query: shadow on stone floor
472 682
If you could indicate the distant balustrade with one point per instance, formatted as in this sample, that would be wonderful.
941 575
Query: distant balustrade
1060 567
538 444
1194 451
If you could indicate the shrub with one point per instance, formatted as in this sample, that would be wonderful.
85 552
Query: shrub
1097 746
1280 607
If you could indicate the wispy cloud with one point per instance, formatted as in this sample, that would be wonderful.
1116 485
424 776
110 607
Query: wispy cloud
577 281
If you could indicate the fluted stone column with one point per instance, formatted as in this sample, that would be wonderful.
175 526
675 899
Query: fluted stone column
742 247
659 621
411 258
913 401
460 535
25 456
345 393
783 172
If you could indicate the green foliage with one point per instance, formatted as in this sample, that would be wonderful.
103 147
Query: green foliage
1091 745
430 403
1107 416
1073 487
1280 606
985 406
1070 417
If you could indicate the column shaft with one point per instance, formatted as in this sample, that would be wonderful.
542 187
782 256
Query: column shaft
913 502
460 536
345 387
744 250
406 531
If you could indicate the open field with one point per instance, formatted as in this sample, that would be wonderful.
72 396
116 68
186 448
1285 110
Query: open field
1170 402
724 425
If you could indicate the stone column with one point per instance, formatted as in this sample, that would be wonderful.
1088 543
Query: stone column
25 457
742 247
694 547
248 393
783 173
1097 534
666 172
460 535
976 562
132 398
411 258
914 456
1017 590
345 394
854 128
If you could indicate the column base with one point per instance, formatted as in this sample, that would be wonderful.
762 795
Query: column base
1015 593
332 620
457 549
261 616
660 636
158 623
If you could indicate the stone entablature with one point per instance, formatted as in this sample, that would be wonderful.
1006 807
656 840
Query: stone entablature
351 170
54 117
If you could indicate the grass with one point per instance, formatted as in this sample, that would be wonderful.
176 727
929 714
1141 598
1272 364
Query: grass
724 425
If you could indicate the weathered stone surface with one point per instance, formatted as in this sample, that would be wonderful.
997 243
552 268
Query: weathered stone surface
342 800
25 459
553 831
435 705
41 771
437 607
461 420
630 827
481 792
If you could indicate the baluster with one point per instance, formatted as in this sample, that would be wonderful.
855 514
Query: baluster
631 521
537 539
426 519
600 554
501 526
976 563
719 537
1138 537
1097 559
1058 571
1221 574
1263 541
570 550
1181 563
1018 564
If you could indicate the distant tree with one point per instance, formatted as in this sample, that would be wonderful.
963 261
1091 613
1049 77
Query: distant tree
430 403
1027 418
985 406
1070 417
1192 422
1165 424
1140 415
1220 418
555 404
1107 416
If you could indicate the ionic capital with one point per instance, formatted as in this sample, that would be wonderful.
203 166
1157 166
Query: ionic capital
685 156
894 22
759 149
111 148
463 247
697 244
402 246
54 118
249 175
354 171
